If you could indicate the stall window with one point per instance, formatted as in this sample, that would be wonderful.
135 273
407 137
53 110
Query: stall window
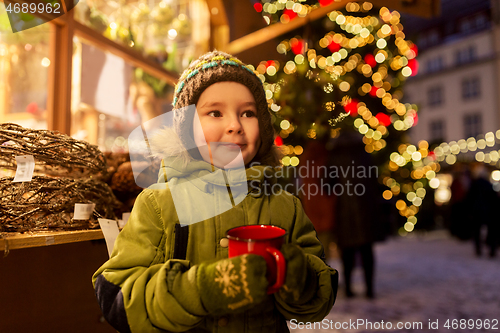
110 98
24 68
169 32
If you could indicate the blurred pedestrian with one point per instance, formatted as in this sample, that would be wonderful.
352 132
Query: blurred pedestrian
460 225
357 216
482 201
319 204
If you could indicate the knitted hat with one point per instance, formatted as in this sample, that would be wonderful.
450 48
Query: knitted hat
216 67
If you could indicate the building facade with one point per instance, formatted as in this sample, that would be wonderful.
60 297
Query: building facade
456 89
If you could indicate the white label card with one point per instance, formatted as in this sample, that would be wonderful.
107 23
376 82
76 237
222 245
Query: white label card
123 221
110 231
25 168
49 240
83 211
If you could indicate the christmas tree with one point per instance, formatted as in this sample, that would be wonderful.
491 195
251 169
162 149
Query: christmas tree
346 73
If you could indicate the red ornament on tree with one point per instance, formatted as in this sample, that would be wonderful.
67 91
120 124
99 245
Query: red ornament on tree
290 13
414 50
383 118
278 141
258 7
373 91
333 47
413 64
297 46
370 60
324 3
352 108
415 119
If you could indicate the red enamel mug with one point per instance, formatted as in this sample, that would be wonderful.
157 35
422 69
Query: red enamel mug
264 240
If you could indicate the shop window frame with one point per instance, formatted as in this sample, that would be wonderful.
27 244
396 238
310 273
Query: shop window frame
63 29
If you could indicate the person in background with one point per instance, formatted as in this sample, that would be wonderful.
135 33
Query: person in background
460 225
358 222
482 201
317 199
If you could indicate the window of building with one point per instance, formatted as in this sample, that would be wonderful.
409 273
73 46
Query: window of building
481 21
466 26
435 96
471 88
433 37
435 64
472 125
465 55
437 130
473 23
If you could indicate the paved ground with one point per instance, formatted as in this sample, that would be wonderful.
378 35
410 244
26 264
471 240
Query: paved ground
425 277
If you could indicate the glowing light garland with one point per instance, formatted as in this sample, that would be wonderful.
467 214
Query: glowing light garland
359 65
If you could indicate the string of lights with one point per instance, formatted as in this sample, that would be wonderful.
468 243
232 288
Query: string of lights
356 67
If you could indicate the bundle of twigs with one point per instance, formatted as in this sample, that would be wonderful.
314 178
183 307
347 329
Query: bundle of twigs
54 153
45 203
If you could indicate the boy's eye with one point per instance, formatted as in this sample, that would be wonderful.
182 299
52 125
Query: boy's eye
215 113
249 114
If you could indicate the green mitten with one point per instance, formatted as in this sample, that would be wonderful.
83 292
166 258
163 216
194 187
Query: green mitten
232 285
300 281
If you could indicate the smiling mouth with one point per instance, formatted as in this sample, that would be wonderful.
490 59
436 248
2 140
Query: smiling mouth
232 145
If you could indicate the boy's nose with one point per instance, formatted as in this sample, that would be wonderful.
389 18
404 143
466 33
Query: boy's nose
235 126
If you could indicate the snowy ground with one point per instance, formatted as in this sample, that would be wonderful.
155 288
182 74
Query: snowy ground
427 277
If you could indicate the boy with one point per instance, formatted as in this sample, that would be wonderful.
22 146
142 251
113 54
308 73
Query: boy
163 277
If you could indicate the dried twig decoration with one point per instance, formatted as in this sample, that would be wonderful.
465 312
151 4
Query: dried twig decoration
45 203
55 153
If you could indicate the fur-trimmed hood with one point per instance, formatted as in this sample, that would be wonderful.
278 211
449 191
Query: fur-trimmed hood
167 145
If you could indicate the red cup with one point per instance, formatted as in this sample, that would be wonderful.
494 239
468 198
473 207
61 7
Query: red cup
264 240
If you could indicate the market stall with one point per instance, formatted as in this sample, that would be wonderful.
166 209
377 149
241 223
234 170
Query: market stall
92 74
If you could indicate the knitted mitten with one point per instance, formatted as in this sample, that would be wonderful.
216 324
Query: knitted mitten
232 285
300 281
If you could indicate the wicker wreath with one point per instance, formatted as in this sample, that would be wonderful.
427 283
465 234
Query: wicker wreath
76 170
47 203
55 153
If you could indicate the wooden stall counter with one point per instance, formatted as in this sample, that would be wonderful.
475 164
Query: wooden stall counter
44 238
46 282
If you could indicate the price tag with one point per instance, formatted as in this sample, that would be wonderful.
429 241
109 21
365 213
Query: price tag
123 221
49 240
110 231
83 211
25 168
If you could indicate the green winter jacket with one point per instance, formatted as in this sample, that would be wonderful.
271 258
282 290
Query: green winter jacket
140 290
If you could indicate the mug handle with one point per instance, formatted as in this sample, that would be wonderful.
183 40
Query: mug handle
280 269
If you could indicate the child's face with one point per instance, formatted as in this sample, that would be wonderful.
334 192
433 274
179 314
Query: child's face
228 116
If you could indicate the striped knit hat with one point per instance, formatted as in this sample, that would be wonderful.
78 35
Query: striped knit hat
216 67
